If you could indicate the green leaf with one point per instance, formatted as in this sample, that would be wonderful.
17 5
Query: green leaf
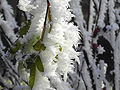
32 75
43 47
39 64
18 45
39 46
25 28
60 48
50 29
56 56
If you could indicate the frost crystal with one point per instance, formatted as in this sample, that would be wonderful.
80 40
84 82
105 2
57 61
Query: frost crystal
59 51
100 49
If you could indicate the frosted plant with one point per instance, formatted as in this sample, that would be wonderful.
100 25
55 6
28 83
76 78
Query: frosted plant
40 53
51 40
98 21
38 44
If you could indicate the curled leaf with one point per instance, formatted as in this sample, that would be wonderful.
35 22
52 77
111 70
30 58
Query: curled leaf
50 29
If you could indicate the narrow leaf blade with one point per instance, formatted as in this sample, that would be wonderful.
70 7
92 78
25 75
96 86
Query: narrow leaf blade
32 75
39 64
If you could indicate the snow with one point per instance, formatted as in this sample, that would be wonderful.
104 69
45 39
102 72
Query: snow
63 70
100 49
102 12
9 24
63 34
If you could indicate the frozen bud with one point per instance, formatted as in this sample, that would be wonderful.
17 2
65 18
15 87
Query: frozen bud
95 32
15 30
95 46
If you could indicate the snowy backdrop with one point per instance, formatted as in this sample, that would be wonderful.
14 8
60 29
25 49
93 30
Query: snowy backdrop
59 44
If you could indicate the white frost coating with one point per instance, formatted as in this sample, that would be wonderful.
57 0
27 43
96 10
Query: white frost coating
97 3
76 8
101 71
8 12
87 77
112 16
1 44
8 30
112 22
102 75
9 23
59 84
100 49
81 86
41 82
102 12
86 36
117 62
91 19
117 11
114 44
37 22
26 5
63 34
